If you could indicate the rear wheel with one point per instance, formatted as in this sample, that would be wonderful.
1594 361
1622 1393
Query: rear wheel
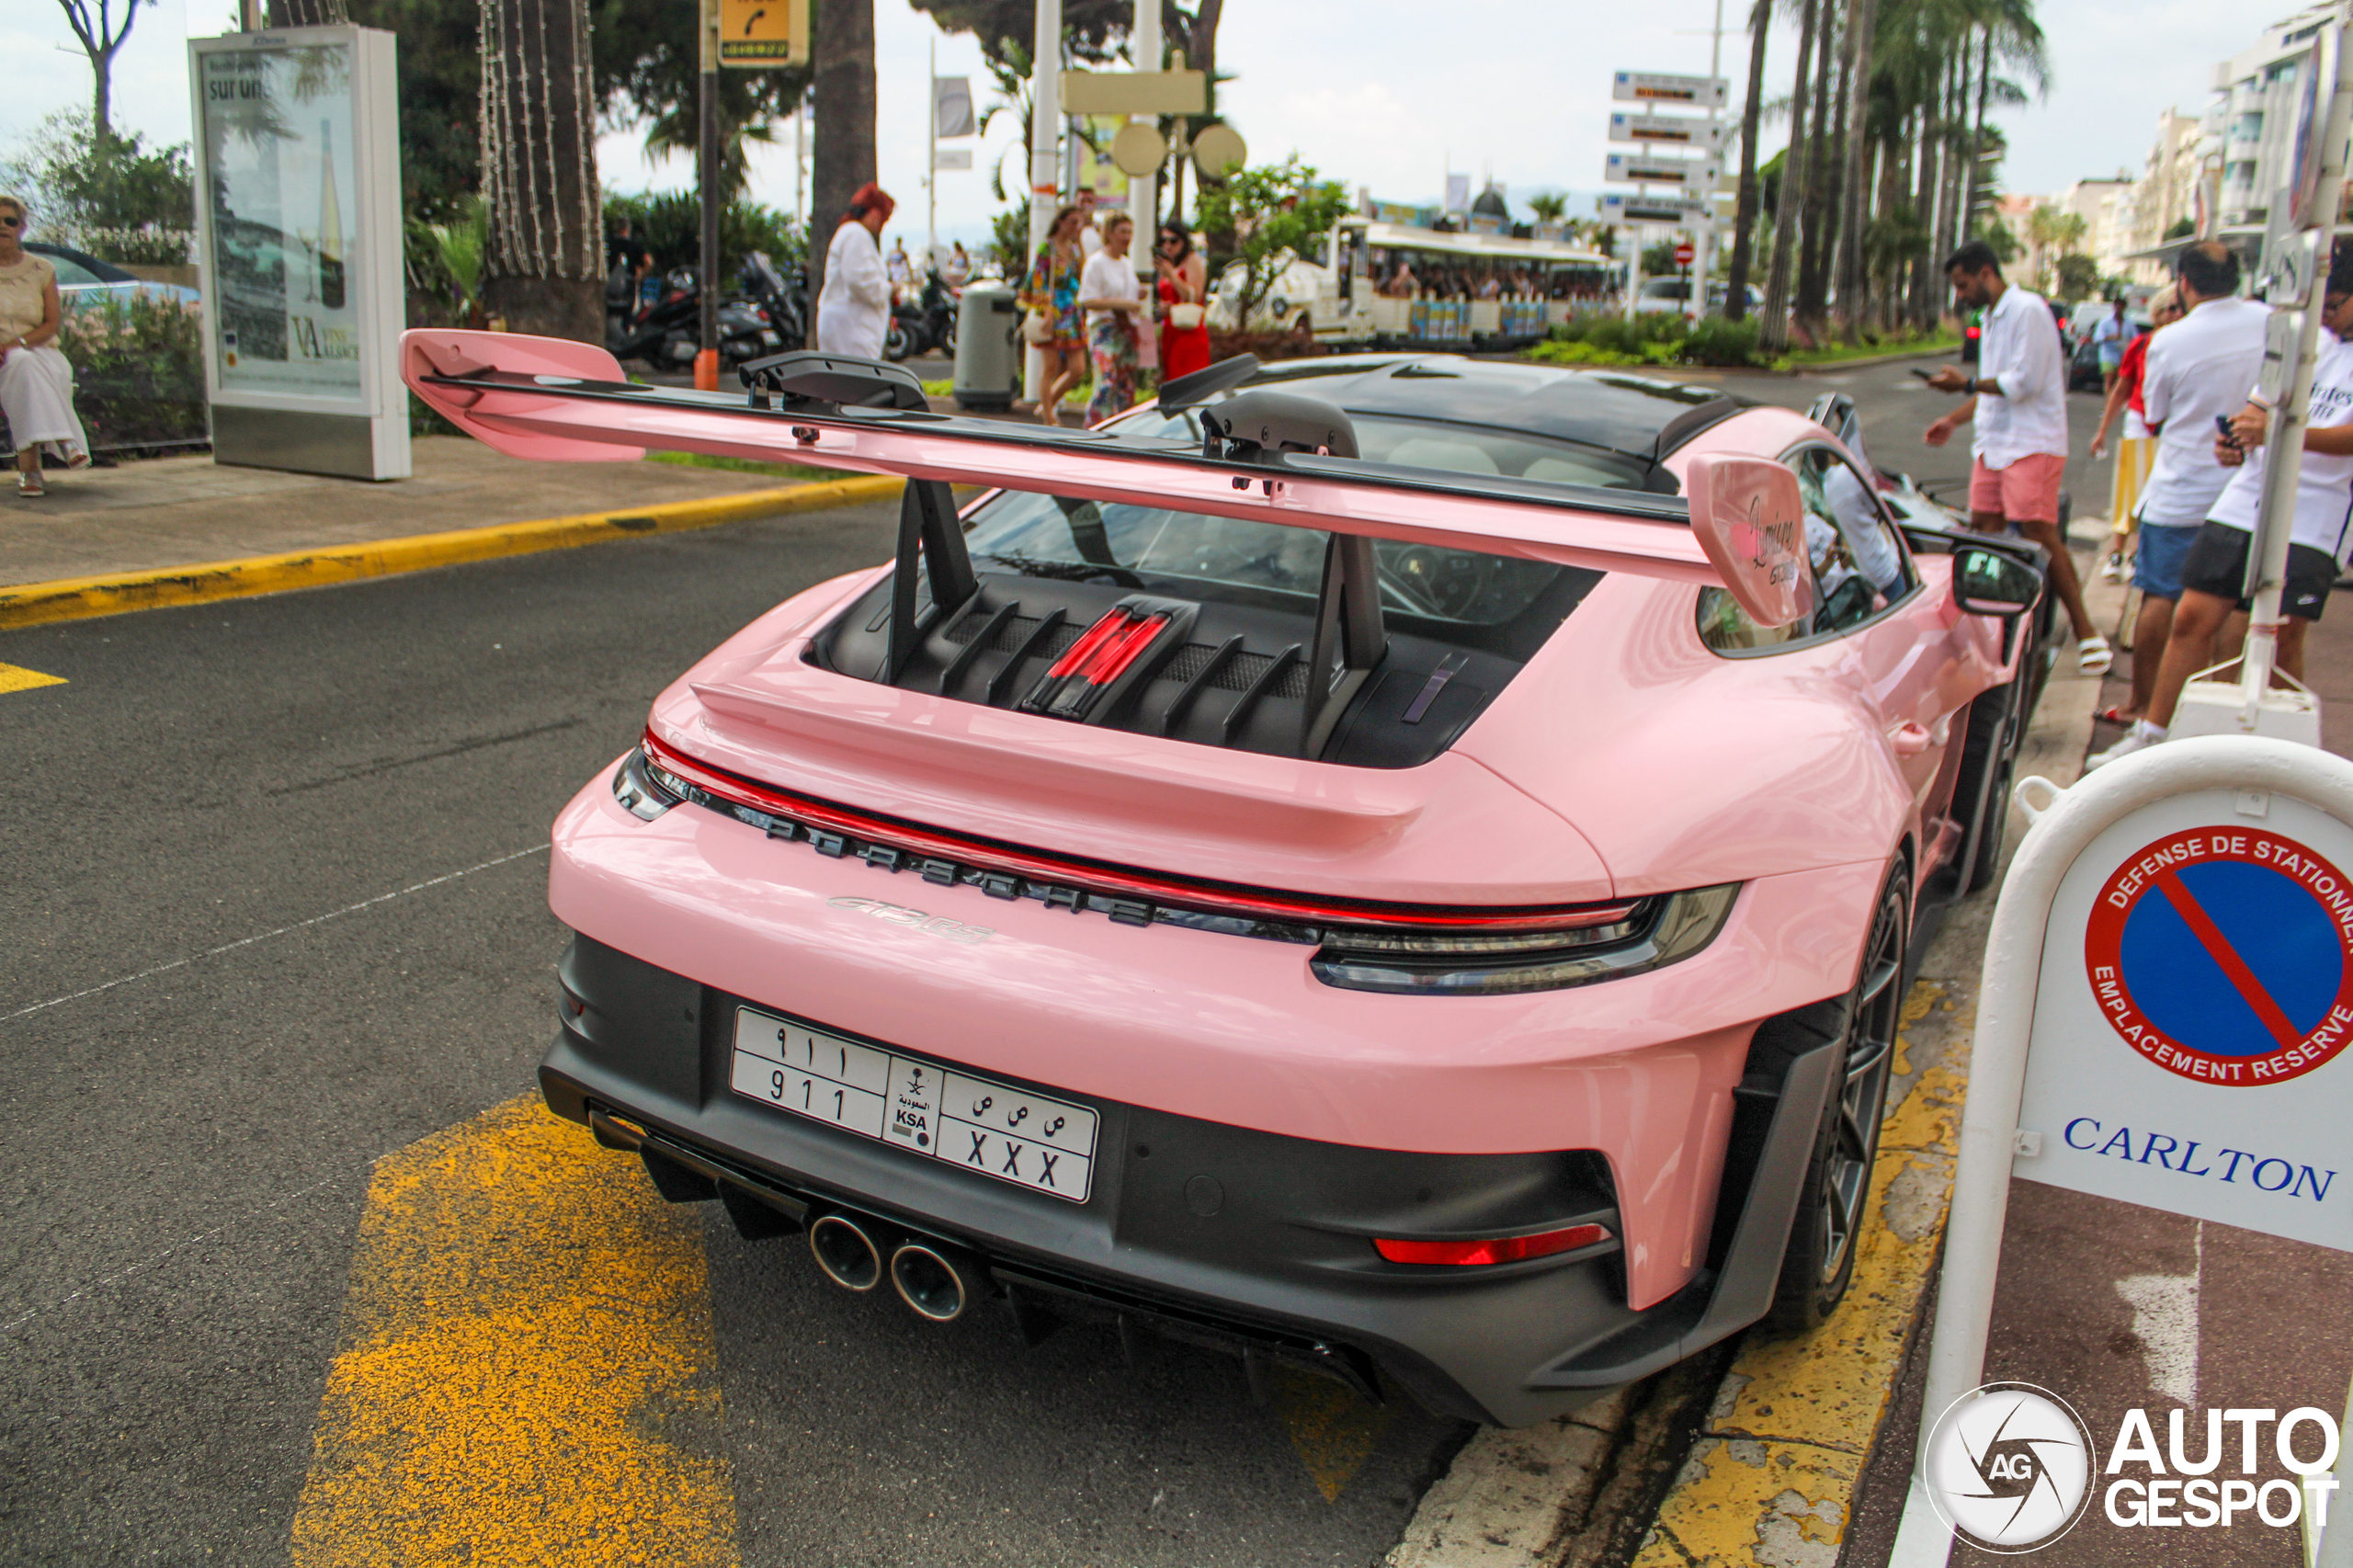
898 342
1834 1206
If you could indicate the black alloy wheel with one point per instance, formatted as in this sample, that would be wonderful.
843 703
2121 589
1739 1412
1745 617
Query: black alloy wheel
1834 1205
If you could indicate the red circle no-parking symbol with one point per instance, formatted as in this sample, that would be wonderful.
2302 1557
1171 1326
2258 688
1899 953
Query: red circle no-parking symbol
2225 955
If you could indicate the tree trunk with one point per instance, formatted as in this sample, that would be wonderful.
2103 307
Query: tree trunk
101 94
1854 205
1774 333
1813 251
308 13
1963 158
841 92
1744 221
1923 203
541 266
1977 138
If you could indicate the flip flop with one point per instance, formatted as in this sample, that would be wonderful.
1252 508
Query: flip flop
2093 655
2115 715
30 484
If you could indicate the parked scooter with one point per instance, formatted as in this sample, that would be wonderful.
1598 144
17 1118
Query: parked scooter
925 325
778 298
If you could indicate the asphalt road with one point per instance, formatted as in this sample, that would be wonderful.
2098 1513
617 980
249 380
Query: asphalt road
274 911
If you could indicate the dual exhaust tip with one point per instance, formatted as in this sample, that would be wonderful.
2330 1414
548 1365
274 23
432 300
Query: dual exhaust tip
935 1280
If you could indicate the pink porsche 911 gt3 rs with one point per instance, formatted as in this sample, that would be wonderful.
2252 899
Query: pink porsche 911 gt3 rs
1398 864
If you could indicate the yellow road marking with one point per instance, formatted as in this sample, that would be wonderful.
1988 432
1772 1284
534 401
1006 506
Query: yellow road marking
1772 1477
528 1374
15 677
78 598
1334 1427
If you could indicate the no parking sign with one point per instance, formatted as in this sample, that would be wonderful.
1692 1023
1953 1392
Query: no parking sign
2191 1026
2167 1019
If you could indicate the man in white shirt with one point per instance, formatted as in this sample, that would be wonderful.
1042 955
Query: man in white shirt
2198 370
2215 569
2019 400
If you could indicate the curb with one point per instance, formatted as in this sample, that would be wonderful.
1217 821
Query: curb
82 598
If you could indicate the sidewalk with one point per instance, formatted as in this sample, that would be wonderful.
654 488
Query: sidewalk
170 512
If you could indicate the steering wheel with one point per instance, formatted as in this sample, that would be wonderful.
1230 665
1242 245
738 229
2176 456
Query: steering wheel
1444 584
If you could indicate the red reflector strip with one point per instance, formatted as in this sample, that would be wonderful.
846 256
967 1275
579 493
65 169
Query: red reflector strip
1498 1249
1112 660
1095 637
1245 902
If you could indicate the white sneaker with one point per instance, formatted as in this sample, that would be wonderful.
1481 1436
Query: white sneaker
2140 737
2112 569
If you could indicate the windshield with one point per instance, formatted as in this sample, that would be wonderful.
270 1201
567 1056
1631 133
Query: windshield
1048 535
1666 289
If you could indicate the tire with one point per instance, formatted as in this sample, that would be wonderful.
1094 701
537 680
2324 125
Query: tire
898 343
1833 1204
1990 757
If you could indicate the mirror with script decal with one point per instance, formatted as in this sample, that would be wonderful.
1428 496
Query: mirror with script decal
1750 520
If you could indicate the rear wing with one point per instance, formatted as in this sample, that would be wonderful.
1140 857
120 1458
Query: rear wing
546 398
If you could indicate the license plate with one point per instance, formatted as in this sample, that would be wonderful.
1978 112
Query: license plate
976 1124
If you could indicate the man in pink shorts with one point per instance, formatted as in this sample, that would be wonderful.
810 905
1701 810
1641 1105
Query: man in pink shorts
2019 400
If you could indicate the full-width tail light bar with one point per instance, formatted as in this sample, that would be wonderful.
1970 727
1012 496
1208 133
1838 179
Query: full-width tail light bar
834 828
1492 1249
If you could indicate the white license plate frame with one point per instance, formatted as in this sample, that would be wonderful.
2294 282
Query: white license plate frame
927 1108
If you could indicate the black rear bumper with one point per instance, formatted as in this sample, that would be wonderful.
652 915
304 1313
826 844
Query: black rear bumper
1253 1241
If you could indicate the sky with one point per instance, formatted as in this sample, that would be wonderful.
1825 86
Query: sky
1361 89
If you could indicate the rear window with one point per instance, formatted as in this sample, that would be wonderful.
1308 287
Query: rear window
1049 535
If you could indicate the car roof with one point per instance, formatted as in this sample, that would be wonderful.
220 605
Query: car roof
1635 416
105 271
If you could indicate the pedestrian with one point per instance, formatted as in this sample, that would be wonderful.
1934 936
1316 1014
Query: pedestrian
853 307
1117 313
36 381
2196 370
1050 298
958 270
2138 448
2214 568
1184 289
896 266
628 261
2108 342
2019 450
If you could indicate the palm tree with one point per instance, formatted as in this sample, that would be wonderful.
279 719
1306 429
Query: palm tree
1549 207
543 254
1853 201
841 47
1773 333
1743 220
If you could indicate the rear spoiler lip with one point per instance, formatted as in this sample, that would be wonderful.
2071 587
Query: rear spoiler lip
1638 532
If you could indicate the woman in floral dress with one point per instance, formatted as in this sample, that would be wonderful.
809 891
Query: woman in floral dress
1051 292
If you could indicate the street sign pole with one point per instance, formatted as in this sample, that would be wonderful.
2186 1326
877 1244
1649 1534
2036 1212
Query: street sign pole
2126 1040
1706 234
707 360
1694 182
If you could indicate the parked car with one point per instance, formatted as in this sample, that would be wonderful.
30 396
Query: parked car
82 277
1663 296
1403 864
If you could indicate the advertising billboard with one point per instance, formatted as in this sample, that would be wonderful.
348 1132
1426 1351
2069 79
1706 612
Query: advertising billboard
298 193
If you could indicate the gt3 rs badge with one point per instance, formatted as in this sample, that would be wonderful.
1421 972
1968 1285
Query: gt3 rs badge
916 919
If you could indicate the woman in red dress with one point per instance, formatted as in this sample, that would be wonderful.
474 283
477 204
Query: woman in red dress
1184 282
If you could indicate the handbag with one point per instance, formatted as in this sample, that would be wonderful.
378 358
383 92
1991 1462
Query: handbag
1185 318
1038 329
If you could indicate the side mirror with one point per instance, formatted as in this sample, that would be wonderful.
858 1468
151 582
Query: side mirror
1987 582
1750 520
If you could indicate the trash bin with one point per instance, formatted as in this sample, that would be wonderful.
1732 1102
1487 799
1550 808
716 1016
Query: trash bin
988 348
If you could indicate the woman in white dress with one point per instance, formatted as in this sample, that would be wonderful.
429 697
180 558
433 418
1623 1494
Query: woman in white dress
36 382
853 307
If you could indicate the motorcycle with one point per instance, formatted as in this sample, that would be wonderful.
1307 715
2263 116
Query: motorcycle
667 333
923 324
778 298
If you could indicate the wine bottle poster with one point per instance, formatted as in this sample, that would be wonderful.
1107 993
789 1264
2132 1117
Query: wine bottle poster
278 141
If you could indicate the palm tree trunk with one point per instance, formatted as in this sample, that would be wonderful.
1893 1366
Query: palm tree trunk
1774 333
1924 200
1744 221
1814 244
1854 215
1977 138
1963 158
542 259
841 49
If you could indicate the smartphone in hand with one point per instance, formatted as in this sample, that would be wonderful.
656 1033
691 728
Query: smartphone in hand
1924 375
2222 427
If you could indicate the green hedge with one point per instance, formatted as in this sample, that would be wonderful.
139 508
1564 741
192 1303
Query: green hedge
1652 338
138 371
